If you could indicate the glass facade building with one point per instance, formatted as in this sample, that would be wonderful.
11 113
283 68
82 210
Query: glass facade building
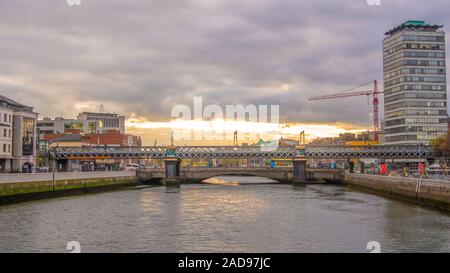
28 130
415 91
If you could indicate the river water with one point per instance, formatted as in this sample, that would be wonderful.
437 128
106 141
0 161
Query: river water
224 216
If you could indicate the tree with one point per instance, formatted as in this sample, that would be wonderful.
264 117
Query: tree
441 145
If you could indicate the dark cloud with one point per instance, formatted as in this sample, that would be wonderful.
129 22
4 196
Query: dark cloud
144 57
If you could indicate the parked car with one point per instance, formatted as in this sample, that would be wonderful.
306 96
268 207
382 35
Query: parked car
132 167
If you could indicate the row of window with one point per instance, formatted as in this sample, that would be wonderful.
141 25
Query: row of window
6 148
415 79
426 87
423 38
414 54
425 71
401 138
408 129
416 112
414 38
415 87
7 118
423 54
394 74
412 95
415 71
425 63
47 124
46 132
427 136
7 133
107 123
425 120
425 79
414 46
415 104
415 120
433 135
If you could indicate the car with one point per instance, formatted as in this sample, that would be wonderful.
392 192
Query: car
132 167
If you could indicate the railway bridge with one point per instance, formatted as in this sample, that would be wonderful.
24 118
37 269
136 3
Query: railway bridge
172 156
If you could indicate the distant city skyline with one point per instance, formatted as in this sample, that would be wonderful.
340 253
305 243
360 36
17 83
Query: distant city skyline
140 59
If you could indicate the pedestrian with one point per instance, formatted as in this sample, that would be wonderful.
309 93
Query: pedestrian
383 168
421 169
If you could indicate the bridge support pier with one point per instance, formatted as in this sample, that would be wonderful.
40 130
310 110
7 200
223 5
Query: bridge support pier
172 172
299 175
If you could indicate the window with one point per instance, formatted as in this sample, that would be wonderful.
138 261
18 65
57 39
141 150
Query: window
4 148
76 125
27 136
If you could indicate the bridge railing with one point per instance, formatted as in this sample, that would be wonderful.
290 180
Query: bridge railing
242 152
376 151
225 152
89 152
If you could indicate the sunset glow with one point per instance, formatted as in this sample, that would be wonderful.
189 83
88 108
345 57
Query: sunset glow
251 130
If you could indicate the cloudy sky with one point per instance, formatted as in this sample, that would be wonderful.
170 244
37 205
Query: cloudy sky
140 58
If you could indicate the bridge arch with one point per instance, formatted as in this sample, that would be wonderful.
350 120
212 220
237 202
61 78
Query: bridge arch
196 176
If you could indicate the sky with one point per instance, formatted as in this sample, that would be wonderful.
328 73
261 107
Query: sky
141 58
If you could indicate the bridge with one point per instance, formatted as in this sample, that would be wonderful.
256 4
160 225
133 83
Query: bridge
242 152
172 155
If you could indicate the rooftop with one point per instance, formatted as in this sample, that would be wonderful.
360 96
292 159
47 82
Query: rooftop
14 103
66 138
98 114
414 25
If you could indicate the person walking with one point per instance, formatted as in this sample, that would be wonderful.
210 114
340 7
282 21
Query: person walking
383 168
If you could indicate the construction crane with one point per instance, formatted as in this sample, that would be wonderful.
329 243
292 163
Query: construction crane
374 92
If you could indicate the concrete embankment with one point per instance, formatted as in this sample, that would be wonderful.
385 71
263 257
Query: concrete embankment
429 192
18 187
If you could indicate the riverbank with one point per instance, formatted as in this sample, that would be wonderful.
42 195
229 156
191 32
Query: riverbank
434 193
22 187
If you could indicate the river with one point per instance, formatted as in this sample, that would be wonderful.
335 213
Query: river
228 214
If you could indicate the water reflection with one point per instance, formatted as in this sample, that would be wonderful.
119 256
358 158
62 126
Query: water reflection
425 233
231 180
172 189
248 217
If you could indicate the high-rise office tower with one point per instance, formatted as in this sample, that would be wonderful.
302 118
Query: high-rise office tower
415 93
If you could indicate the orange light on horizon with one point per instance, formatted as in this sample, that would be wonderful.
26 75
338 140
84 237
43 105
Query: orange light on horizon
257 129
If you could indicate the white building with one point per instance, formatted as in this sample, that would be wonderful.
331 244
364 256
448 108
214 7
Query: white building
60 125
88 123
17 136
415 91
107 121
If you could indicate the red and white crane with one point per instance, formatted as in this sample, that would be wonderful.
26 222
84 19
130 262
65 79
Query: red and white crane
374 92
